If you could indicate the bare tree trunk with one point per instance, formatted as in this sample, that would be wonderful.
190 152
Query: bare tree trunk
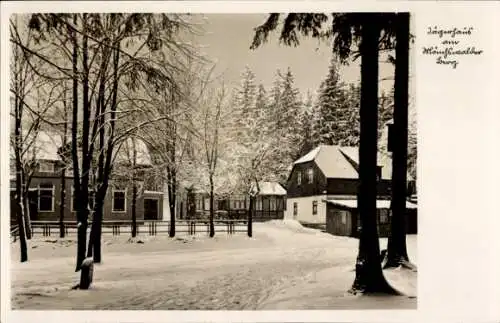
22 234
250 216
396 248
171 201
27 216
369 276
106 146
80 185
212 228
19 173
134 210
65 163
63 203
94 247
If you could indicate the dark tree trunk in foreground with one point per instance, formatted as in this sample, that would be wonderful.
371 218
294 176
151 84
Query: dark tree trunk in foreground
250 216
212 228
106 147
94 248
27 215
369 276
171 200
171 170
20 220
134 210
396 249
81 185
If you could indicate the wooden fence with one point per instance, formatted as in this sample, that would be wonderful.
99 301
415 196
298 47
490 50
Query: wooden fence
144 227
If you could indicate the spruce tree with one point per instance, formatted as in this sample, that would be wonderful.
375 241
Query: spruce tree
333 108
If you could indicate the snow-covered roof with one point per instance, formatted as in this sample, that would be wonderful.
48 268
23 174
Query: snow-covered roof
310 156
342 162
270 188
44 146
381 204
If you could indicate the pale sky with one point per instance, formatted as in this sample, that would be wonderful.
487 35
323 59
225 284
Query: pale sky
227 40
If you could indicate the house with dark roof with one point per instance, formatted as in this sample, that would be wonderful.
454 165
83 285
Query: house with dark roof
325 180
44 197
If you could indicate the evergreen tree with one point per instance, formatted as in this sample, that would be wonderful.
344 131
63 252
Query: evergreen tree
247 94
333 126
274 109
352 116
289 124
261 104
306 124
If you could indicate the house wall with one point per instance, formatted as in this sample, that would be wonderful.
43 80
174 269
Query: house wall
344 222
347 186
70 215
305 209
317 187
341 222
322 185
235 207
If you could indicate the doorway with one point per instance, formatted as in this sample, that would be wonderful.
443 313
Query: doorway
150 209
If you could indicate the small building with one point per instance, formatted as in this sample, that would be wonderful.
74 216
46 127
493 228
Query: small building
44 197
329 172
270 204
342 217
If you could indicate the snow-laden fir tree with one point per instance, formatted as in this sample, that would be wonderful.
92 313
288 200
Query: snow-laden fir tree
334 123
306 119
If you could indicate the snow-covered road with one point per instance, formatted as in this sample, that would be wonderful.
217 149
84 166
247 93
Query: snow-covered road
284 266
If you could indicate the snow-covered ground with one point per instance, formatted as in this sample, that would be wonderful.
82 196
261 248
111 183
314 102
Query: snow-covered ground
284 266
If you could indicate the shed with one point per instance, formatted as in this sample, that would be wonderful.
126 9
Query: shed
342 217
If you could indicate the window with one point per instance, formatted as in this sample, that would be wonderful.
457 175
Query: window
295 208
315 207
299 177
73 200
343 217
279 204
383 216
119 200
310 175
272 203
46 167
46 198
258 204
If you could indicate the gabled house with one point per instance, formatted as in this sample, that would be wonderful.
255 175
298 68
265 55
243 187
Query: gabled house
44 196
329 173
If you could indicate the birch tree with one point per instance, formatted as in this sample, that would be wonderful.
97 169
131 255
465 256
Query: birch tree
107 56
213 114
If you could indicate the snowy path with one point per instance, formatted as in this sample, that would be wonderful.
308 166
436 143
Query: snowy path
282 267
